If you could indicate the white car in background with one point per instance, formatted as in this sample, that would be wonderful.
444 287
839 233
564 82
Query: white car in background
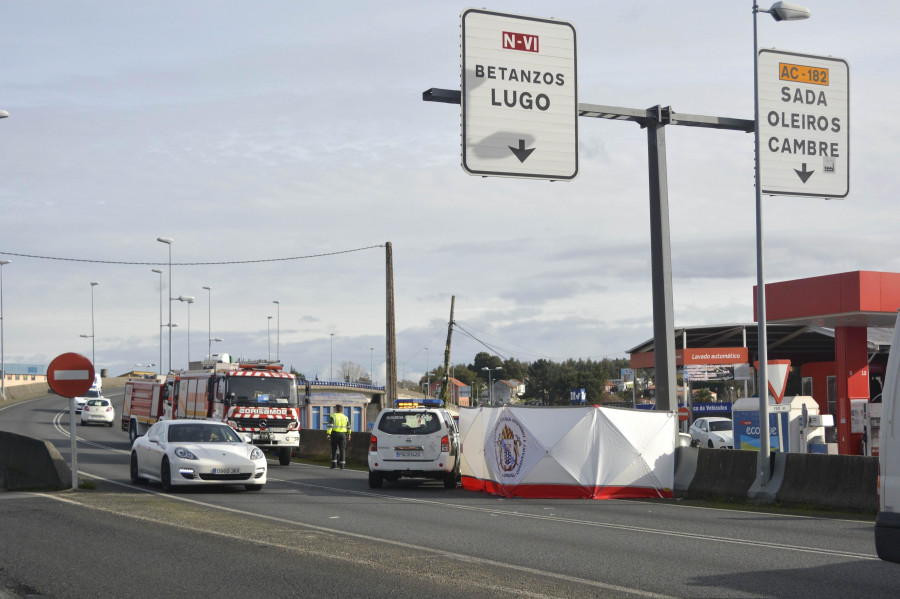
196 452
99 411
92 393
713 432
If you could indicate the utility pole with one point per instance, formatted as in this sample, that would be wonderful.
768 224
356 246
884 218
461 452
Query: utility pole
445 389
390 375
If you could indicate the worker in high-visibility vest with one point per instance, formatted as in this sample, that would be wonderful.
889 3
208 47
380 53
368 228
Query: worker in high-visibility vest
339 433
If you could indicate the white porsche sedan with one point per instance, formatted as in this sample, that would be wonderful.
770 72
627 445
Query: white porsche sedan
196 452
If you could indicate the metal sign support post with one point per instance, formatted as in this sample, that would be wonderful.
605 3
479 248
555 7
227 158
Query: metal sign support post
73 444
654 119
763 473
661 268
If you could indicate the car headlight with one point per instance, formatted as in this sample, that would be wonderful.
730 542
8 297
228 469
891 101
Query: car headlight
184 454
256 454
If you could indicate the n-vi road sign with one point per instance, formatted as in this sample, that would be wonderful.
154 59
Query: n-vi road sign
70 375
519 96
804 125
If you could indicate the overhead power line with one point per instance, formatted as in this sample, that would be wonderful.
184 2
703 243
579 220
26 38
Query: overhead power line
191 263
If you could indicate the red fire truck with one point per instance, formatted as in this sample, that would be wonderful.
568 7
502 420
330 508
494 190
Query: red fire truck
257 399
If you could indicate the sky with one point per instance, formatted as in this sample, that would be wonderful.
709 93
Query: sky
281 144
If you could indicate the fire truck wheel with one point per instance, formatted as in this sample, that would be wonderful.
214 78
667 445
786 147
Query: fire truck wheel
138 480
284 456
165 475
376 480
253 487
132 431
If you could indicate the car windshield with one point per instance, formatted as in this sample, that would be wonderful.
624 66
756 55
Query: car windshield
261 391
202 433
409 423
720 425
92 393
98 402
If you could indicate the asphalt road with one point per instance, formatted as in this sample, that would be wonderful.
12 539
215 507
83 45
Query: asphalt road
315 531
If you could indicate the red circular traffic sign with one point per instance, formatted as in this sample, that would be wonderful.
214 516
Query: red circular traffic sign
683 413
70 375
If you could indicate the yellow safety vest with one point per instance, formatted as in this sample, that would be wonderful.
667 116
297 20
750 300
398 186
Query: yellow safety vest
339 424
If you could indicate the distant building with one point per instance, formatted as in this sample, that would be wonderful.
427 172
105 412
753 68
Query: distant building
508 391
460 393
24 374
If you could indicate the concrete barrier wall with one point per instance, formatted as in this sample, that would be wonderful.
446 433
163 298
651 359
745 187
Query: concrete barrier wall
831 481
837 481
722 473
28 463
29 391
314 444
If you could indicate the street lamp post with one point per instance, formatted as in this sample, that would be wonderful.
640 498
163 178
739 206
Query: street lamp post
331 368
372 365
491 382
209 324
169 241
160 327
269 335
2 349
93 356
427 375
780 11
190 300
277 331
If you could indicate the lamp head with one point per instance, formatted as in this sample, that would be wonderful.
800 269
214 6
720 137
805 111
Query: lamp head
157 271
166 240
786 11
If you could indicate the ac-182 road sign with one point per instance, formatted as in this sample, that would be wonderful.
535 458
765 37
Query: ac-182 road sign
804 124
519 96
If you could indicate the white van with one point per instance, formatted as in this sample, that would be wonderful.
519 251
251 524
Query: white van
887 525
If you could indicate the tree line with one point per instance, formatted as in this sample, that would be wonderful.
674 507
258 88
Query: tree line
545 380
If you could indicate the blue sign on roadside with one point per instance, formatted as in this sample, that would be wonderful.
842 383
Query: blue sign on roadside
712 408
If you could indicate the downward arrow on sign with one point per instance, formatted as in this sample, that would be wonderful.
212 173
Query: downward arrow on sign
521 153
804 174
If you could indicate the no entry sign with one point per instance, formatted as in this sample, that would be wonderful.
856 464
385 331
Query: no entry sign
70 375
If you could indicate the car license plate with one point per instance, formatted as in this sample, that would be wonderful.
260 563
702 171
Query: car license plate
226 470
408 454
264 437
